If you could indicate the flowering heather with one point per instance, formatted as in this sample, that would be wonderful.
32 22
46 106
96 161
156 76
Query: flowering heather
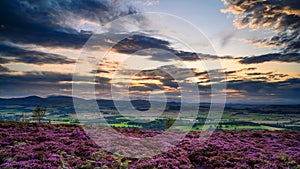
67 146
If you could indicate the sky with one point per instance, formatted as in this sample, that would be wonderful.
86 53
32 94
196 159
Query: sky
250 48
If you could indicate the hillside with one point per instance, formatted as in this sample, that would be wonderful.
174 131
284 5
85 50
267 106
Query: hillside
67 146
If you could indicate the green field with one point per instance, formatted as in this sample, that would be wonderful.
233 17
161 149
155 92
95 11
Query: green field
229 121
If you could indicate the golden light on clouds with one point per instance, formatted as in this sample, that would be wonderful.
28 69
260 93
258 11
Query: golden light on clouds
288 10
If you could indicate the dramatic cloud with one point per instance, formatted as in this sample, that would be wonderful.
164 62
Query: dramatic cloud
158 49
18 54
252 90
55 22
244 74
31 30
33 83
255 87
34 78
280 15
138 42
281 57
46 83
262 91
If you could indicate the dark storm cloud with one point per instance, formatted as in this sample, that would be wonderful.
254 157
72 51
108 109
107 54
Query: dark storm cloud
34 77
3 60
289 89
47 22
168 76
53 23
44 78
24 22
159 49
135 43
18 54
44 83
280 15
171 76
281 57
33 83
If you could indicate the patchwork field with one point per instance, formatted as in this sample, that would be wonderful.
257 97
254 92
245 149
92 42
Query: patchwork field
235 116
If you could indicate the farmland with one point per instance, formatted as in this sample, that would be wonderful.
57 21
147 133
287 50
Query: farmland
60 110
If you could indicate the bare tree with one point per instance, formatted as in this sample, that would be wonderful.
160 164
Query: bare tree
38 113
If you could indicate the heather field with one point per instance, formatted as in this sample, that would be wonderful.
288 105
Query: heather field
67 146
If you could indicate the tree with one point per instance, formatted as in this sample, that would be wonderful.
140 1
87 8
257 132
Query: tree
38 113
169 122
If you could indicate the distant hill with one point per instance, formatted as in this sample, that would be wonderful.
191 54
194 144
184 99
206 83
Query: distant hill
65 104
64 98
